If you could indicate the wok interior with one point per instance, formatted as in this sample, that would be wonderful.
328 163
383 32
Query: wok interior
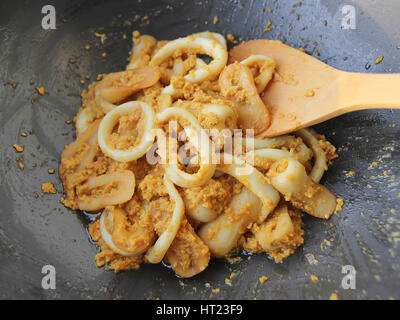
38 231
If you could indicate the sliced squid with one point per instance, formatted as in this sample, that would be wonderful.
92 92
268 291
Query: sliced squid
269 156
254 180
131 234
224 114
116 87
221 124
198 45
213 36
158 251
300 151
142 51
222 234
106 222
201 214
121 235
122 188
111 120
199 140
266 69
237 83
188 255
276 234
290 178
84 119
82 150
179 70
321 162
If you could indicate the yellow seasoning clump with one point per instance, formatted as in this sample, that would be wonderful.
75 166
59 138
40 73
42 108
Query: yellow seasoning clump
334 296
48 187
18 148
41 91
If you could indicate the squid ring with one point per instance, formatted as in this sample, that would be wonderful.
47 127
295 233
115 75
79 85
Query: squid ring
207 168
213 36
111 119
266 67
269 154
203 46
125 189
320 163
302 154
222 112
107 237
156 253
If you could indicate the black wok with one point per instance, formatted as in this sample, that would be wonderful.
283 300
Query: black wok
37 230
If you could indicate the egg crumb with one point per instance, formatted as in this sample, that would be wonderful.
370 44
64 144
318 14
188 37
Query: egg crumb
231 38
372 165
41 91
102 37
334 296
350 173
339 205
233 260
379 60
262 279
267 28
48 187
18 148
310 93
136 34
314 278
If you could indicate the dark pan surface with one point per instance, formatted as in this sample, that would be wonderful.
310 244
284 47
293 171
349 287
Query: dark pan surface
39 231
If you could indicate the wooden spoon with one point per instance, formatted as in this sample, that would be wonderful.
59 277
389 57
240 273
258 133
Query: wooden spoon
305 91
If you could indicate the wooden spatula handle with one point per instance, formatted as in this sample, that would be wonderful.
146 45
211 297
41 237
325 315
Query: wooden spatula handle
359 91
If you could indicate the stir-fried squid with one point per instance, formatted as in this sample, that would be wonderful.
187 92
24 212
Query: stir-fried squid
116 87
158 203
200 141
142 52
145 140
263 66
116 188
237 83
